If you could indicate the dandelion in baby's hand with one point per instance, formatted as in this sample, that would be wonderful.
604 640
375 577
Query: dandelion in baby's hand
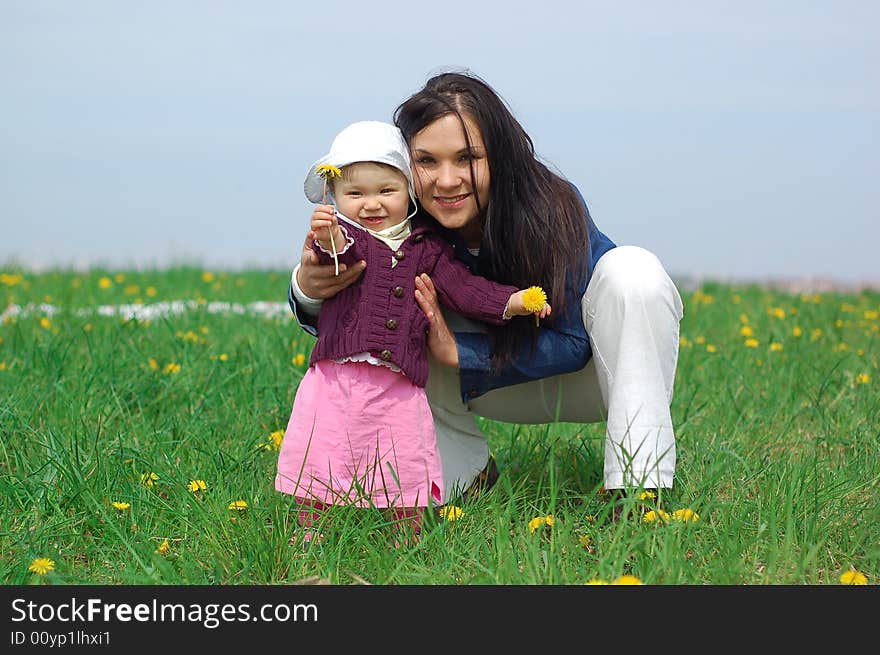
42 566
329 172
534 299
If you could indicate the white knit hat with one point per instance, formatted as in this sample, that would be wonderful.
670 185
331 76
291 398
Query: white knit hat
373 141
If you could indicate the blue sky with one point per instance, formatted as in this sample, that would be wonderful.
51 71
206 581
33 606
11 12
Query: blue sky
737 140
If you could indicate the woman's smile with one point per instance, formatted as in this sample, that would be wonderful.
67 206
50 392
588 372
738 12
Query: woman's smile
452 202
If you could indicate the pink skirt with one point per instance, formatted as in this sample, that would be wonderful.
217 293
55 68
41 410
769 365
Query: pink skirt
360 434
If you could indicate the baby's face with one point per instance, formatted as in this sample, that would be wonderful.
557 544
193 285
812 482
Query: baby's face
376 196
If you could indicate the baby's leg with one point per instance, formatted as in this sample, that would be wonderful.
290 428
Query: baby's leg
407 523
308 513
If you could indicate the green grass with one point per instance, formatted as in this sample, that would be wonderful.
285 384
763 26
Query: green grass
778 450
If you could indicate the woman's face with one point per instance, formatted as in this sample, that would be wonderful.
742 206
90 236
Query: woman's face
442 171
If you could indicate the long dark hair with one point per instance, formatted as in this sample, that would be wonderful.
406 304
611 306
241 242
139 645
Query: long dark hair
534 230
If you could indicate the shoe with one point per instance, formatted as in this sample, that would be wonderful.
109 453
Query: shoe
484 481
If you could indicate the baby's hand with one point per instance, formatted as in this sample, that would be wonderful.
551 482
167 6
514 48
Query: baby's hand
325 226
523 303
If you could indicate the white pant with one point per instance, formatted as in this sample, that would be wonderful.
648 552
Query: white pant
631 310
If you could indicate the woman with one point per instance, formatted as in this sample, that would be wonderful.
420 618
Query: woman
608 352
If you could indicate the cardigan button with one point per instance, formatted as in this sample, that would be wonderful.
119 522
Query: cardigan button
399 255
385 355
391 324
398 292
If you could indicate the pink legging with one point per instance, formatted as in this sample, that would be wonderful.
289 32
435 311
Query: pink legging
405 518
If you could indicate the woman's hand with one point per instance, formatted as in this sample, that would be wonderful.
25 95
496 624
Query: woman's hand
441 342
319 281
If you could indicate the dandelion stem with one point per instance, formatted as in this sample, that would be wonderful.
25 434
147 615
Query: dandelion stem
330 232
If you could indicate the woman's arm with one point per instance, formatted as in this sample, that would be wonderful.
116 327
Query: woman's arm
561 349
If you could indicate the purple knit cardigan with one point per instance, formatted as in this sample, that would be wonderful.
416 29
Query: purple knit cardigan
379 314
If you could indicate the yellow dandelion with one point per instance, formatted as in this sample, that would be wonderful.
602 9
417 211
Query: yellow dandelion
778 312
684 342
238 505
451 512
154 365
164 548
796 331
747 331
121 506
596 581
223 357
171 368
685 515
2 366
628 580
328 172
534 299
540 521
42 566
584 541
751 343
45 323
853 577
105 283
149 478
775 347
10 280
298 359
710 348
274 441
119 277
207 276
647 495
863 378
658 515
151 291
196 485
